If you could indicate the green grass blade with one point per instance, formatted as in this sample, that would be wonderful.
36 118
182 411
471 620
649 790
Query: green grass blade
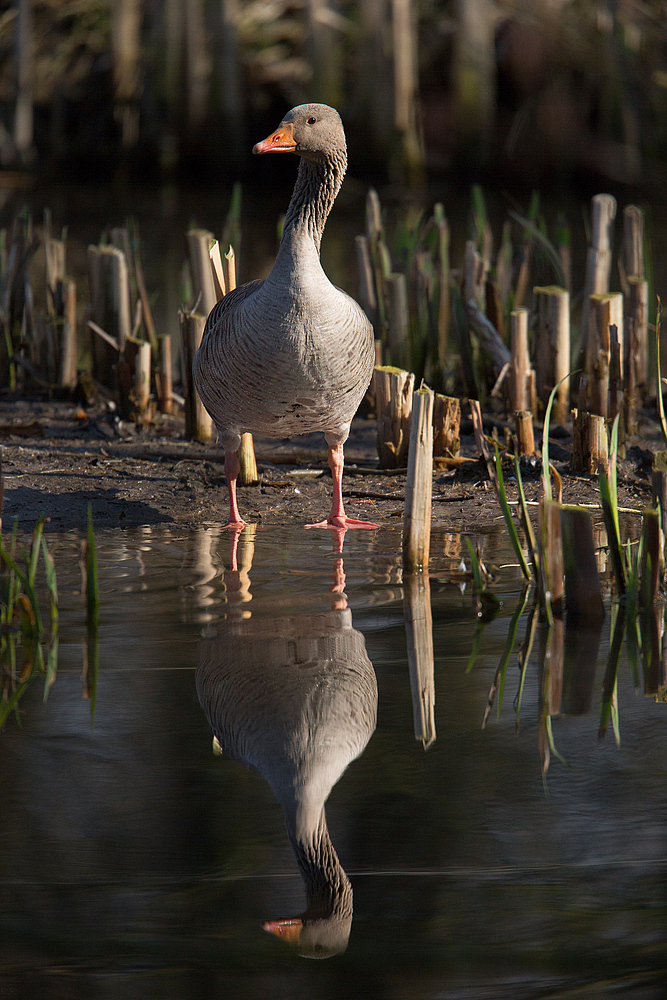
525 519
27 586
546 475
51 582
661 406
509 520
610 517
92 590
544 243
478 582
51 663
509 646
610 682
34 550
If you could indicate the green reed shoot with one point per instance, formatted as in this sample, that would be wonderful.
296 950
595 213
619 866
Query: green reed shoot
509 520
609 501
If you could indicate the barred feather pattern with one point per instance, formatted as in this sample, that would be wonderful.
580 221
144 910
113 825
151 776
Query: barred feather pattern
293 353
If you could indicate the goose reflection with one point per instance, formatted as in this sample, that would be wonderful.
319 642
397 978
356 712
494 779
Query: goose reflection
295 697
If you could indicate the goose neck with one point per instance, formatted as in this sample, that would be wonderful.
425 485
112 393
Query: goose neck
316 187
328 888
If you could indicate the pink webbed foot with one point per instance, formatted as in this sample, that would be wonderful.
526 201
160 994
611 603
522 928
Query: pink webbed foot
341 522
338 518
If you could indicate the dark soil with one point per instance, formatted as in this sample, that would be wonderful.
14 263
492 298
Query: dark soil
57 459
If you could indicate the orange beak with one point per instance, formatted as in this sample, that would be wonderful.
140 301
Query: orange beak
287 930
280 141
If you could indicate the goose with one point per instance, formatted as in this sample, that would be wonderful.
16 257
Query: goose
295 698
292 353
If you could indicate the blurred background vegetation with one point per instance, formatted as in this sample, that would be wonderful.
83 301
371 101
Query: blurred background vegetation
539 91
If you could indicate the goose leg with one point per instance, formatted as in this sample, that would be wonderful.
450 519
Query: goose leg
338 518
232 468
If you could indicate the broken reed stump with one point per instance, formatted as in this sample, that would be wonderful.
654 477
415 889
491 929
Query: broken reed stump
398 319
367 294
419 641
590 447
224 280
550 657
199 242
598 258
419 484
198 423
552 348
66 312
650 571
633 242
616 394
248 475
133 380
583 591
163 375
659 490
393 394
525 435
446 426
551 553
109 306
605 310
635 321
522 376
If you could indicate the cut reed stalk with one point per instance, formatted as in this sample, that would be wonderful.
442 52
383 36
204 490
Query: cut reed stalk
583 592
394 392
198 423
552 347
446 426
419 484
419 640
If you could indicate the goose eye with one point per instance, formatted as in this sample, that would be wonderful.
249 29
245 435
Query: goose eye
312 120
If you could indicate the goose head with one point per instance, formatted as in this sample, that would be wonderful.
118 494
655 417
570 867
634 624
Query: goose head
313 131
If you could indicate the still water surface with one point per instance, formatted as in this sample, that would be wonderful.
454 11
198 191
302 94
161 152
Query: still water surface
136 862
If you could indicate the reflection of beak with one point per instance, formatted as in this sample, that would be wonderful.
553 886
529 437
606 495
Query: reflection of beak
280 141
286 930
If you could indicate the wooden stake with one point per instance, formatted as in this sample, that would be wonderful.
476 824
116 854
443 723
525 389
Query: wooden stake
419 484
446 426
393 392
198 423
552 347
583 592
419 636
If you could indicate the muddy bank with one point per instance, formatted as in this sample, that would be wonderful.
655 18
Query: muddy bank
56 459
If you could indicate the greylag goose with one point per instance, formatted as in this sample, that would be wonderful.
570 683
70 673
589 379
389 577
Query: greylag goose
293 353
295 697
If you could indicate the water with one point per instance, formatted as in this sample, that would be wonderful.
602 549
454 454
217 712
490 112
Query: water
136 862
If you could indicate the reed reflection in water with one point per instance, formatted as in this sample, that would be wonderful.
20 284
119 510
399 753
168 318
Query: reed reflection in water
294 696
